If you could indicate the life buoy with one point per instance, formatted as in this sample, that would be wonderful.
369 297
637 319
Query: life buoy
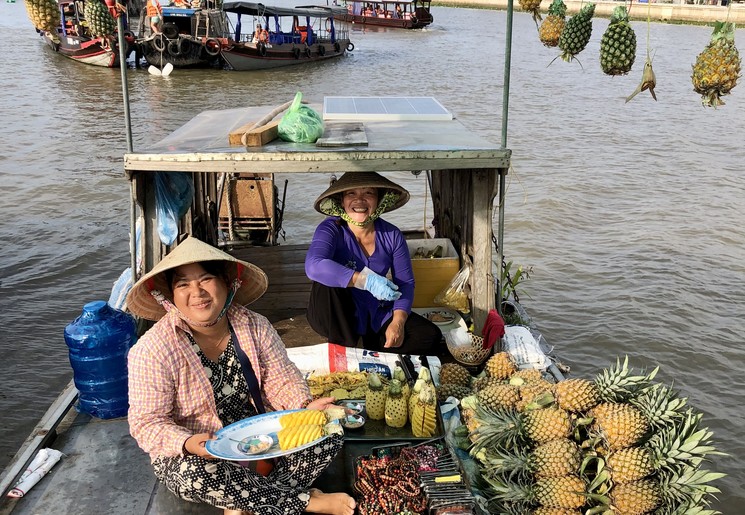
212 46
350 46
307 51
261 47
173 47
159 42
337 47
296 53
321 50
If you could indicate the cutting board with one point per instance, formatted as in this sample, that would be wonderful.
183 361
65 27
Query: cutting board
347 134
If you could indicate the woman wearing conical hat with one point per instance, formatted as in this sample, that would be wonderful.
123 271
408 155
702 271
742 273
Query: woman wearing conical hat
352 252
209 362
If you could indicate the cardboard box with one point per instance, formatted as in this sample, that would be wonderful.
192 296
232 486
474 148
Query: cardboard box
431 275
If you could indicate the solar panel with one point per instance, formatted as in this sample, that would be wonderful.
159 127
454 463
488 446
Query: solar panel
384 109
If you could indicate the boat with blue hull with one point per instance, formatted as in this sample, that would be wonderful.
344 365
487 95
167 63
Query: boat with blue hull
279 36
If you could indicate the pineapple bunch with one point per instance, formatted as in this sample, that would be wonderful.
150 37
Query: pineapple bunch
44 14
100 21
619 443
553 25
717 68
576 33
618 44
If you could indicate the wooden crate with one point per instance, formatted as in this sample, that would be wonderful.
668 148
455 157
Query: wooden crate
432 274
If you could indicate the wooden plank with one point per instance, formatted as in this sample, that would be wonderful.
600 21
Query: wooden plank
255 137
337 134
38 438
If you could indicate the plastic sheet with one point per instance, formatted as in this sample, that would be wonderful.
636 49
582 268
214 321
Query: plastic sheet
173 196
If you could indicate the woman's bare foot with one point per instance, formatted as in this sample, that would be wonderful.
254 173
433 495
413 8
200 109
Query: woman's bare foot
337 503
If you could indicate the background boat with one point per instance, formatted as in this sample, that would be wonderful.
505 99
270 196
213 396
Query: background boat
288 36
405 15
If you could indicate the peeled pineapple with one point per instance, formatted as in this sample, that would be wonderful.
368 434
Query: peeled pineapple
295 436
303 417
396 413
717 68
375 397
423 378
423 416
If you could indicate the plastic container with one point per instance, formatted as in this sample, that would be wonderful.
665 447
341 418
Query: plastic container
99 341
432 275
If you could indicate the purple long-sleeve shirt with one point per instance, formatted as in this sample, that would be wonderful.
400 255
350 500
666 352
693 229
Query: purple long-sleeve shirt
334 255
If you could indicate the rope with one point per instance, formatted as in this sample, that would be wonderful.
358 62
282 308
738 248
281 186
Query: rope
229 187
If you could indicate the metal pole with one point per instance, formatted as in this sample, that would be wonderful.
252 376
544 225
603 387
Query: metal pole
507 65
130 147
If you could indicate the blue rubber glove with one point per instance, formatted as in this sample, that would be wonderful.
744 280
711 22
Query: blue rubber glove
380 287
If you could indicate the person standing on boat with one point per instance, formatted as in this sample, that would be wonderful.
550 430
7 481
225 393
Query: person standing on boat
349 257
155 13
209 362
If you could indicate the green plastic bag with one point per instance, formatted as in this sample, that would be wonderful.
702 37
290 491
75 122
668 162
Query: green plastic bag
300 124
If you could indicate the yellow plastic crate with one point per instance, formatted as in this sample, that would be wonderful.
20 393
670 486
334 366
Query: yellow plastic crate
431 275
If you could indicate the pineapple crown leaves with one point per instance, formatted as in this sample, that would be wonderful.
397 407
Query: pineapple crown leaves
682 443
620 14
660 405
499 428
558 8
617 385
723 32
515 466
687 485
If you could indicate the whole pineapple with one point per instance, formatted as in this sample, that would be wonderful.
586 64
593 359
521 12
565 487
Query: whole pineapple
533 7
555 458
44 14
717 68
566 492
396 412
100 21
501 365
452 390
453 373
375 397
576 33
554 23
618 44
499 396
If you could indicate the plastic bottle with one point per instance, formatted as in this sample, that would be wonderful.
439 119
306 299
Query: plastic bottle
99 341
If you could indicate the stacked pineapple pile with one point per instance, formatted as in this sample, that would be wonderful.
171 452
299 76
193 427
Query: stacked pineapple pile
100 21
398 404
44 14
621 443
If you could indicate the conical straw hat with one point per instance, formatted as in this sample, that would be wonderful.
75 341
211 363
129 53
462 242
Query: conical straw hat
352 180
254 281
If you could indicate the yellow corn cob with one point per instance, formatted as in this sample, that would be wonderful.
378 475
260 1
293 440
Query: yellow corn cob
294 436
423 418
299 418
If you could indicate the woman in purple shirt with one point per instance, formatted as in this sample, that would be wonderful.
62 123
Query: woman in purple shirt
352 252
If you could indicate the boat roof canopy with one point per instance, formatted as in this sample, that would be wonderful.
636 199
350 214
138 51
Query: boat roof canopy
257 9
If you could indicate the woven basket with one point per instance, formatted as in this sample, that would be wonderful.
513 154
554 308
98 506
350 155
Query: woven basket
473 354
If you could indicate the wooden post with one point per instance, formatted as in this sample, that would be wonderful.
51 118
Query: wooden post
482 280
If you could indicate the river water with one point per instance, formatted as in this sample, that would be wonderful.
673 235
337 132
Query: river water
630 215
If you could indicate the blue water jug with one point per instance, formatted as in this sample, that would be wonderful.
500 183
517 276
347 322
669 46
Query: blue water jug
99 341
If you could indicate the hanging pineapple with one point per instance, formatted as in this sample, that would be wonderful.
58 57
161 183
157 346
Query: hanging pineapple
552 26
44 14
375 397
396 413
576 33
618 44
100 21
717 68
533 7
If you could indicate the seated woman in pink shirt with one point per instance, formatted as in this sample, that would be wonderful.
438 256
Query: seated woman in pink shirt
209 362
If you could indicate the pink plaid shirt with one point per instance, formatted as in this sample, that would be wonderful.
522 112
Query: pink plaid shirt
170 396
